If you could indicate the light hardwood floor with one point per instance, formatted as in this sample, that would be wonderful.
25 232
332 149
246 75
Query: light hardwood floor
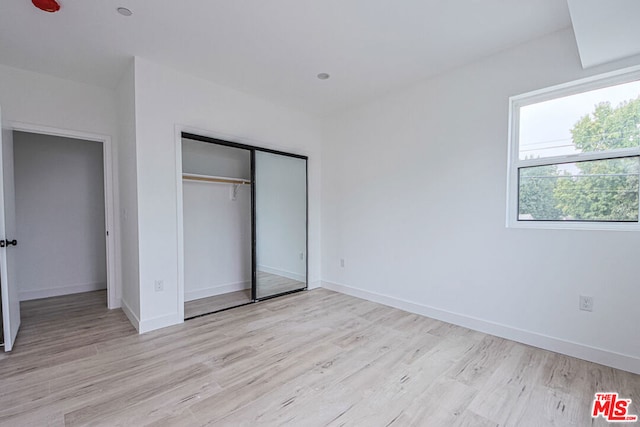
215 303
313 358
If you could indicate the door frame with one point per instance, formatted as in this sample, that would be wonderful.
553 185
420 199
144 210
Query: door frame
109 212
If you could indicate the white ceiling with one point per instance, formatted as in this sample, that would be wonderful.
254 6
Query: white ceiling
273 48
605 30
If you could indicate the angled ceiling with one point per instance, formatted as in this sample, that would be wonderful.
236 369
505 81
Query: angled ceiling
605 30
274 49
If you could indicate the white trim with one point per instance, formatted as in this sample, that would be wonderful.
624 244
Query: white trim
237 139
62 290
581 157
113 301
314 285
284 273
514 162
109 201
573 87
216 290
575 225
593 354
160 322
179 223
512 172
131 315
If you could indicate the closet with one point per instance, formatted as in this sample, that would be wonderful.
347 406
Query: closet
244 220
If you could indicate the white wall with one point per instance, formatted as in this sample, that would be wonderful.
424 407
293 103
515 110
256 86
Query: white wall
281 215
43 100
217 239
59 185
217 229
413 198
49 101
166 98
128 212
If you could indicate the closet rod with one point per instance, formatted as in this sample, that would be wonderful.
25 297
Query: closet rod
205 178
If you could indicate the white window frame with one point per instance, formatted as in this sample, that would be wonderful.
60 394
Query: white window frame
514 162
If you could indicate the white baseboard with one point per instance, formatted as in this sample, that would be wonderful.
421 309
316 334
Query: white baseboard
283 273
148 325
314 285
569 348
117 303
63 290
216 290
135 321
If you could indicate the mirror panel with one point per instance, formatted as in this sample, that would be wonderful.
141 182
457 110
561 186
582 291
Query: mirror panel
281 224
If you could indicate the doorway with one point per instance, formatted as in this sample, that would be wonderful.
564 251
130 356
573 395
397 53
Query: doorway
59 197
64 217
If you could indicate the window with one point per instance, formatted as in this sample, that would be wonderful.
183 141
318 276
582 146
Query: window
574 155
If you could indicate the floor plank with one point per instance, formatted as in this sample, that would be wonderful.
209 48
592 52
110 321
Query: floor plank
315 358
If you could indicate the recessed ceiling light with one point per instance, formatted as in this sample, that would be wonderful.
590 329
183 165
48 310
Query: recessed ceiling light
323 76
124 11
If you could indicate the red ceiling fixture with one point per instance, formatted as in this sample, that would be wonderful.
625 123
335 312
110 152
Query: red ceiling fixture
47 5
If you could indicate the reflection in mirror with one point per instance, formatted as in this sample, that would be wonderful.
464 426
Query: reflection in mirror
281 224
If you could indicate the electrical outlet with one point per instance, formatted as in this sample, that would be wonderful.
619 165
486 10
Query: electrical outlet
159 285
301 256
342 262
586 303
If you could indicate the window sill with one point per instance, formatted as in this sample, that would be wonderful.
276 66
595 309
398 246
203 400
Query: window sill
564 225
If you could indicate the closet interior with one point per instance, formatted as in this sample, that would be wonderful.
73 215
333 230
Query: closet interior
244 224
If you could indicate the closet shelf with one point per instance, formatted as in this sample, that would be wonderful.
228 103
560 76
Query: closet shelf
219 179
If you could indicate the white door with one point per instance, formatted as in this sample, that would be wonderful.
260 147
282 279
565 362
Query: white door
8 282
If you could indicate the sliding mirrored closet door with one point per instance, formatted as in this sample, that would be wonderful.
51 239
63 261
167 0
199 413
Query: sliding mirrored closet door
281 224
244 224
